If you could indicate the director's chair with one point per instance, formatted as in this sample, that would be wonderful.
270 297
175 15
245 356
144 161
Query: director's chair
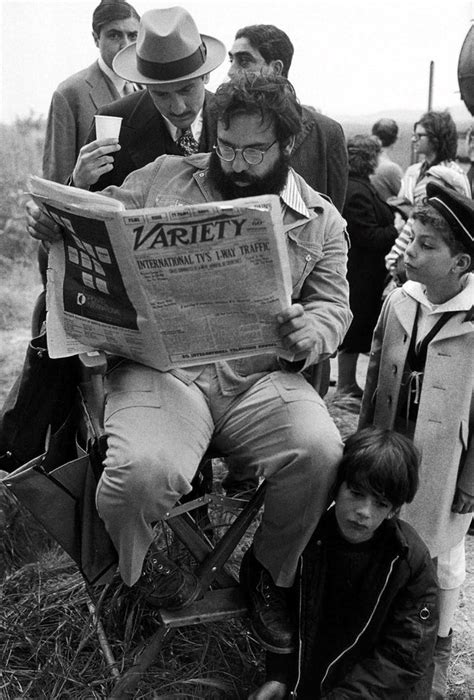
199 523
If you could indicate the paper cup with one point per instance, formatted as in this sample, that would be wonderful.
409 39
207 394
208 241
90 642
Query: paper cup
107 127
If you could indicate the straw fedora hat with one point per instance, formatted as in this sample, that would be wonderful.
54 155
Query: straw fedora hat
168 49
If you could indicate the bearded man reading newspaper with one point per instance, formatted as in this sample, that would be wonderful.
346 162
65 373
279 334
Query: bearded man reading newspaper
258 411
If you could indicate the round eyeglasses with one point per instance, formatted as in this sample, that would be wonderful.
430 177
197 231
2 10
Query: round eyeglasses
251 155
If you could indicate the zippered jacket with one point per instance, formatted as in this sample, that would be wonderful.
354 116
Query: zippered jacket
393 628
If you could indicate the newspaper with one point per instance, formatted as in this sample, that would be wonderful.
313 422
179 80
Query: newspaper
166 287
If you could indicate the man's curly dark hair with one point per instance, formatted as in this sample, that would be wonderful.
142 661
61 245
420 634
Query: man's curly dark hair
272 97
442 133
272 43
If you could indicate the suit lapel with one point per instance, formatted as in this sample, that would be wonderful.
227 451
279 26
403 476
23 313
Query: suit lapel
307 125
102 89
146 133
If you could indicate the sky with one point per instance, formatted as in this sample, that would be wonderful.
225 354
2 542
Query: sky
352 57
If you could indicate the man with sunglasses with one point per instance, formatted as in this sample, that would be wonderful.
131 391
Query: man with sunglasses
259 412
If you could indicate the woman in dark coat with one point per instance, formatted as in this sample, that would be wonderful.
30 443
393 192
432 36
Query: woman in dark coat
372 233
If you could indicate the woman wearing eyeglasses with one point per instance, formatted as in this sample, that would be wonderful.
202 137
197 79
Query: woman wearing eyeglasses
435 138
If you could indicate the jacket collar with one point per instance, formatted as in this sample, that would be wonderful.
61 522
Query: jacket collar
306 127
460 324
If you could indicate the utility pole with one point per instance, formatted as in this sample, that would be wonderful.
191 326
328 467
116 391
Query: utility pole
430 87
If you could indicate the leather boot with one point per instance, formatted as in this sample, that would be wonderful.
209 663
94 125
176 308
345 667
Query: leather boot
442 654
164 584
269 613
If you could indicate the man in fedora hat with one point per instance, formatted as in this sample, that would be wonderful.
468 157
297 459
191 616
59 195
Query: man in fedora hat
172 116
259 411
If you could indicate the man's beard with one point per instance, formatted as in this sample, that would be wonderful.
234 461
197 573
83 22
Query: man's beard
271 183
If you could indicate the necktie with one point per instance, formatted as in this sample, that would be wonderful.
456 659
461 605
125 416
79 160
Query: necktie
187 142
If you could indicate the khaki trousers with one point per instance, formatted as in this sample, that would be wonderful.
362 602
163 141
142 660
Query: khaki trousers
159 428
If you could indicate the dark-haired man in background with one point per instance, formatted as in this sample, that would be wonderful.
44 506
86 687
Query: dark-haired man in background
76 99
319 153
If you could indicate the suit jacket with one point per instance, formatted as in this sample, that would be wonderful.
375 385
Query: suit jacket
320 156
71 113
144 135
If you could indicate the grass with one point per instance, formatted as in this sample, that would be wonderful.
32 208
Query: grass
49 645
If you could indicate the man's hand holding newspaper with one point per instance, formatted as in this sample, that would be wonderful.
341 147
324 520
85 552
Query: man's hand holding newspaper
168 287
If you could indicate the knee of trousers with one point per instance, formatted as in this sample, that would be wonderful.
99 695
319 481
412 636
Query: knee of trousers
317 455
316 439
151 481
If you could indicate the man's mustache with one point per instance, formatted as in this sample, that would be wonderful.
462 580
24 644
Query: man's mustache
241 177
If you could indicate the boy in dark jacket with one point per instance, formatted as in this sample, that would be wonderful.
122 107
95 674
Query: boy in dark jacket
366 597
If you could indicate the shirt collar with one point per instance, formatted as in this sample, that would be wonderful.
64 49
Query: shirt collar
460 302
291 197
117 81
196 127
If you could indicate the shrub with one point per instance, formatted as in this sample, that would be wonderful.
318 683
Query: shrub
21 147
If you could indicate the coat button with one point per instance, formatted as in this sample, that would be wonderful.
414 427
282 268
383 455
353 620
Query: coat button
424 613
389 400
394 369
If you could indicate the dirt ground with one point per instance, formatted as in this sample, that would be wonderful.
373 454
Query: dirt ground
13 343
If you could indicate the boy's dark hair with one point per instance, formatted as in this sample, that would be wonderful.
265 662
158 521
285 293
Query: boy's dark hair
272 97
362 154
382 462
442 133
110 10
272 43
386 130
429 216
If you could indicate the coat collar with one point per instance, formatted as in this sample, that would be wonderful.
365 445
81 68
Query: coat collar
306 127
404 306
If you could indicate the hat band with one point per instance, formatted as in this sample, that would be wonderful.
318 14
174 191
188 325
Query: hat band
173 69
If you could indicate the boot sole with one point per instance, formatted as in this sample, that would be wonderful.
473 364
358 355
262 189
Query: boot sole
267 645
